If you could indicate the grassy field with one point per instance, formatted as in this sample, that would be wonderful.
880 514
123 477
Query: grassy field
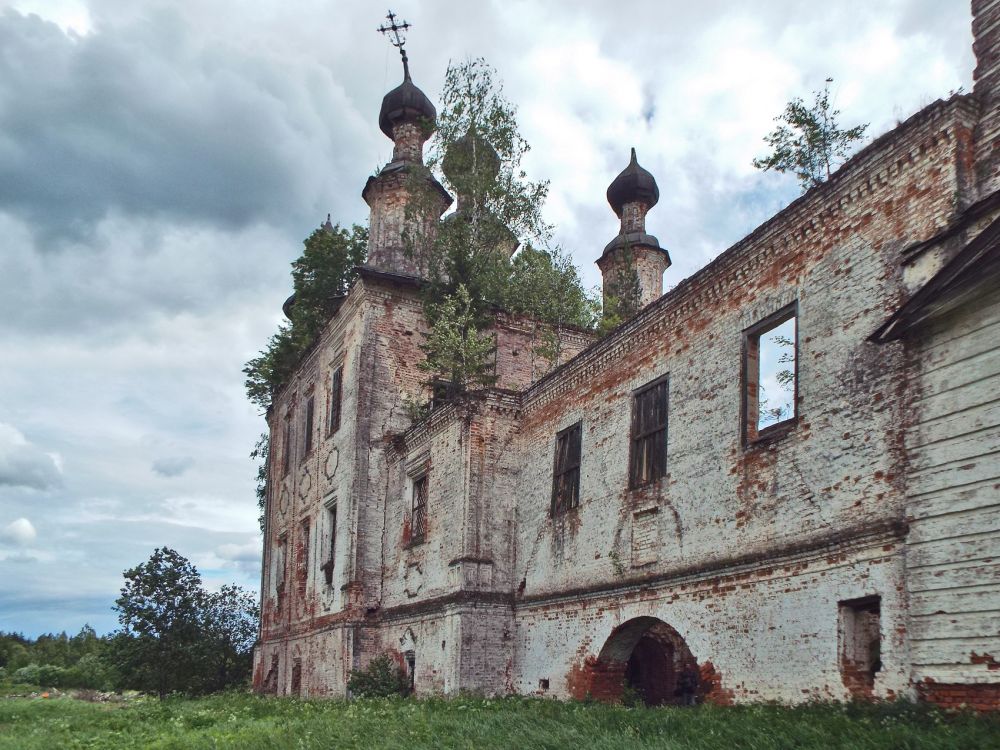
249 722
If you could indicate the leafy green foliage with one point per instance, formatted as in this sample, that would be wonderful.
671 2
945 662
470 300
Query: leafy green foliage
244 722
808 141
382 678
229 624
546 285
61 650
622 294
458 351
177 637
320 277
261 453
57 661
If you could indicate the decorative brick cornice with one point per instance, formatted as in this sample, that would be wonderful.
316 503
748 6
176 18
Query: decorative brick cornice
858 538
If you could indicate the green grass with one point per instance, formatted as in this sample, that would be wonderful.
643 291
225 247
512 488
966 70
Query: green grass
250 722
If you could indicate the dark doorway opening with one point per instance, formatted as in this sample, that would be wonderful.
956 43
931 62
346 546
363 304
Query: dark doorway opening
650 672
296 687
646 660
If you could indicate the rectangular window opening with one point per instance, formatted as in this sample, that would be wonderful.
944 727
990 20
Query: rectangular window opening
310 421
327 566
286 447
648 460
860 643
418 516
770 374
302 571
566 472
336 393
279 571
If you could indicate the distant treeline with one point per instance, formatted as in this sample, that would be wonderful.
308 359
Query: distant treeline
57 660
174 637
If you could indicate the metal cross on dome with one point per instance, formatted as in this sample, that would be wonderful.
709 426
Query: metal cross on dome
394 28
396 40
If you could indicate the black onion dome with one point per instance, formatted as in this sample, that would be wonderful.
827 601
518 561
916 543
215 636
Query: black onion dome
405 103
634 184
459 159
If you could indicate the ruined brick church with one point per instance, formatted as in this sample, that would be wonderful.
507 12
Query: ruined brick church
636 516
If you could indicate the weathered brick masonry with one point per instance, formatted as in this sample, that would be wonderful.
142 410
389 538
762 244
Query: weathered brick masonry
849 549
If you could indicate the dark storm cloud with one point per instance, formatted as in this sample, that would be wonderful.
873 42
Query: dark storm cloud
173 466
153 119
23 464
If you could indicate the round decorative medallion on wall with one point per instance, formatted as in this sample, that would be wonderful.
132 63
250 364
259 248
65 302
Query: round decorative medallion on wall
283 501
332 463
305 484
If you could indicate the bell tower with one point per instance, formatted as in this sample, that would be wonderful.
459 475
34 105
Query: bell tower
405 199
633 254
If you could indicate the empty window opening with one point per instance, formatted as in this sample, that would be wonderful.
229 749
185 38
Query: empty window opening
336 392
566 473
770 373
296 688
418 515
286 446
310 419
543 684
278 573
411 669
302 574
860 643
270 685
648 460
327 566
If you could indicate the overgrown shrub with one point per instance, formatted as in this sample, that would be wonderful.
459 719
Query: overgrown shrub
381 679
45 675
90 672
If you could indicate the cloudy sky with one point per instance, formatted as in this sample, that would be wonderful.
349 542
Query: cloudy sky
160 163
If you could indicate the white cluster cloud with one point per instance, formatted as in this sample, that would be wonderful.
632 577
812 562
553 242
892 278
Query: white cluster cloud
20 532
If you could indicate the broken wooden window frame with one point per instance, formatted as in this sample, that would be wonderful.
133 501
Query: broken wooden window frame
336 399
648 435
566 469
750 378
418 508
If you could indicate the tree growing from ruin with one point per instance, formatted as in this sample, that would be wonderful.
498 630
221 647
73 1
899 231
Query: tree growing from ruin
477 151
261 453
320 277
808 141
622 294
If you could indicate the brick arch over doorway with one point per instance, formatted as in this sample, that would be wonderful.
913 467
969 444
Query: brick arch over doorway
646 654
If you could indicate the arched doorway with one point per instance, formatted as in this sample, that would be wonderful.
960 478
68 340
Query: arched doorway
649 657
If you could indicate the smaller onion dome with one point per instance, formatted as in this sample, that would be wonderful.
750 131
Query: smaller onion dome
633 185
470 148
405 103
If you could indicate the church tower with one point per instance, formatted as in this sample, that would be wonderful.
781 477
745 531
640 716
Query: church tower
631 195
405 199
